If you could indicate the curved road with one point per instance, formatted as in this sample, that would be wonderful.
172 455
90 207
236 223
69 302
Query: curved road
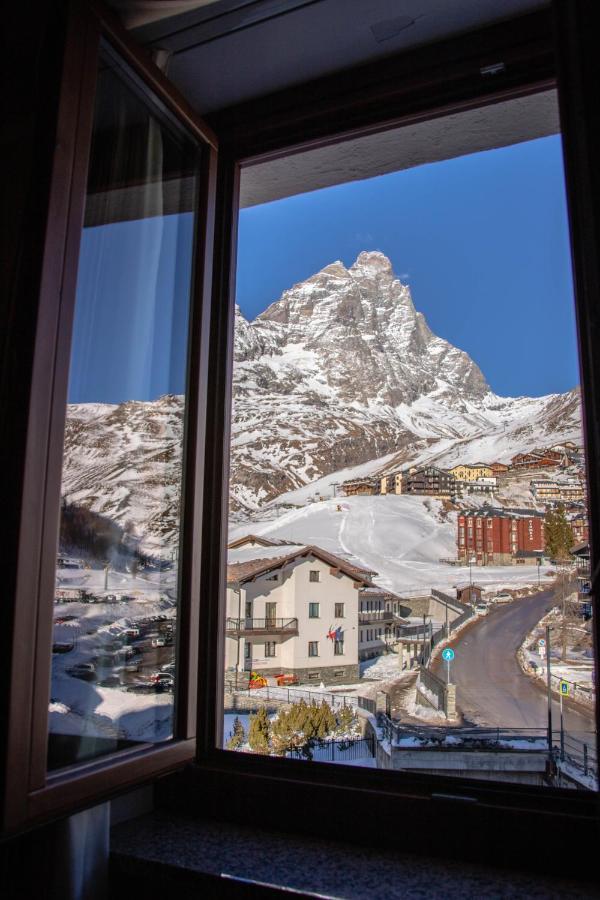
491 688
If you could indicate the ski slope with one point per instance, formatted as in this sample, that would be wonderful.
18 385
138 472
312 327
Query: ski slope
402 538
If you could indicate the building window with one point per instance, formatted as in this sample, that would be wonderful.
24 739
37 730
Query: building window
314 575
270 648
247 650
339 610
313 648
338 648
313 610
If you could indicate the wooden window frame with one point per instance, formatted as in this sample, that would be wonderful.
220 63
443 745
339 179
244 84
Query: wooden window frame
31 793
415 87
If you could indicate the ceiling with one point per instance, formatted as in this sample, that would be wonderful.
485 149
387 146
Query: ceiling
444 137
223 52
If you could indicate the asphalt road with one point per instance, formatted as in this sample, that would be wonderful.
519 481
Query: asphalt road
491 688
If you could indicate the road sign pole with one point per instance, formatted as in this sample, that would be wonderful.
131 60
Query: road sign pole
549 691
562 730
448 654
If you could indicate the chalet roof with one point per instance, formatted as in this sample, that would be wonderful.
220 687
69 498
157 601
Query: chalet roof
493 512
428 468
367 479
375 590
247 571
582 549
257 539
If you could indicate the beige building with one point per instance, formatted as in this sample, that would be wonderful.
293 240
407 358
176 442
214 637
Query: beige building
562 491
392 483
293 612
472 471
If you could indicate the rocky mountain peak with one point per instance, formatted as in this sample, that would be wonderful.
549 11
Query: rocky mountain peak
340 370
370 344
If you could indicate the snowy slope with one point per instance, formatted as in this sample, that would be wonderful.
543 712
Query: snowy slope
400 537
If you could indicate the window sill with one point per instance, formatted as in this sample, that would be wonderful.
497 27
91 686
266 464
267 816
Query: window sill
162 850
479 822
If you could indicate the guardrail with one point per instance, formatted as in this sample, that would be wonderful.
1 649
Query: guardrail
292 694
565 746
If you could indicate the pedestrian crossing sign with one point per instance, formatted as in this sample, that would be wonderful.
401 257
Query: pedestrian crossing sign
564 688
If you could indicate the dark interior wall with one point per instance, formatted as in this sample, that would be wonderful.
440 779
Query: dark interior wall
31 61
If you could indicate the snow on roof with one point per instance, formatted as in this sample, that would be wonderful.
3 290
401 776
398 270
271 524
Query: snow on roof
246 554
258 539
247 570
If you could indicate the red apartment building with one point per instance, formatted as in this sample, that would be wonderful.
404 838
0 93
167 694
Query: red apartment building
499 537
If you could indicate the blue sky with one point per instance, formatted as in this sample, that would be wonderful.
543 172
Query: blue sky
482 240
131 316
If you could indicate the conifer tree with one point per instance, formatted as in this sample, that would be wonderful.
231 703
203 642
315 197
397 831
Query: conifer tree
237 737
558 534
259 731
346 718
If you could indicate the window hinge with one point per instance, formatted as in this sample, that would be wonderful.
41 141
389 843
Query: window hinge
493 69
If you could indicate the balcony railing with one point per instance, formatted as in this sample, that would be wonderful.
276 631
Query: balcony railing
376 615
287 627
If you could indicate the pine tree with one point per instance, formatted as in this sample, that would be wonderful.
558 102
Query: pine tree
259 731
558 534
346 718
237 737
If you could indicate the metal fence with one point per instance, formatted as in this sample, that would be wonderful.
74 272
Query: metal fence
294 694
338 751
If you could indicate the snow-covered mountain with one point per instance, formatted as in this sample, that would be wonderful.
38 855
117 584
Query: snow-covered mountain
339 371
342 369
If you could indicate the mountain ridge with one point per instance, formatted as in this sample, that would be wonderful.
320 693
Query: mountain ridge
340 370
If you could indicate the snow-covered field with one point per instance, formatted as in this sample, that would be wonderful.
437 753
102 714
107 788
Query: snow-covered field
402 538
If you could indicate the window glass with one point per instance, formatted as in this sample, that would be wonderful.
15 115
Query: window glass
114 671
417 330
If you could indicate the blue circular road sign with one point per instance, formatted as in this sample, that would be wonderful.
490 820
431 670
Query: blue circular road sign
448 654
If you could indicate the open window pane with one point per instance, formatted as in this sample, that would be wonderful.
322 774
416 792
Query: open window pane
114 669
407 423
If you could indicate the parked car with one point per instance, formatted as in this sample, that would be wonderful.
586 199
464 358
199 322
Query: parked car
163 678
84 671
502 597
158 642
481 609
111 681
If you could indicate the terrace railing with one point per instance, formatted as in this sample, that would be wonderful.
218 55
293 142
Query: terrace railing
285 626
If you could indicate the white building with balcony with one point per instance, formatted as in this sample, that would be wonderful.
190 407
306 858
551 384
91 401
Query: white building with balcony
292 610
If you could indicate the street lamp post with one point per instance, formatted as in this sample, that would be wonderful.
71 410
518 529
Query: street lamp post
549 691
